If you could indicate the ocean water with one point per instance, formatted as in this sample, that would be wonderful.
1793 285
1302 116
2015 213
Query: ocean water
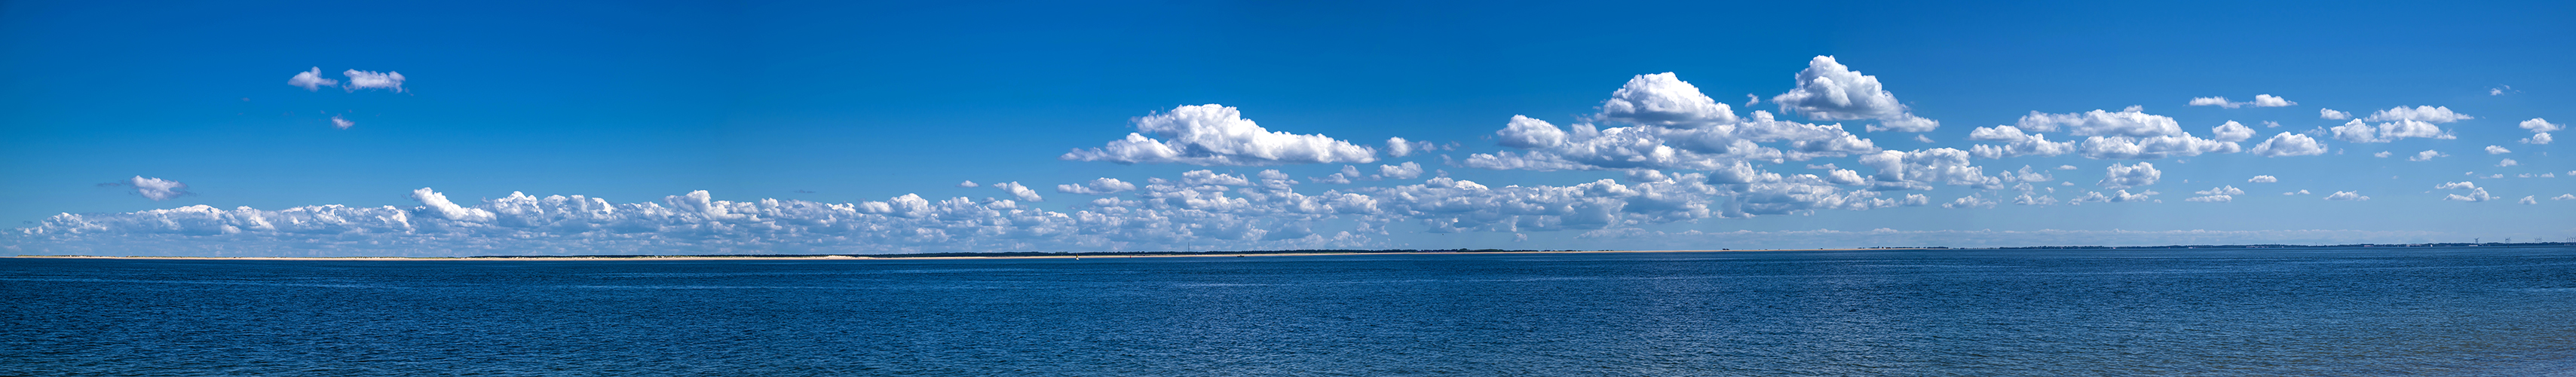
2458 311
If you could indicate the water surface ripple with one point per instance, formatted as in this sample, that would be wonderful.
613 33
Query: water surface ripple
2466 311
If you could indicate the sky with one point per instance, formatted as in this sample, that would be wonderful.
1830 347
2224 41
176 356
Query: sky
478 128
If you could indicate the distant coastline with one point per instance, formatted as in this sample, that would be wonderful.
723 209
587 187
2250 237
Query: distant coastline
1259 253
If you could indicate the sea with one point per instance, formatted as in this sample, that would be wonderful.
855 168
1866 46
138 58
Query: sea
2466 311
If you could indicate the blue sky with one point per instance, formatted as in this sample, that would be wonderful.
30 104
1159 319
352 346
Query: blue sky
848 104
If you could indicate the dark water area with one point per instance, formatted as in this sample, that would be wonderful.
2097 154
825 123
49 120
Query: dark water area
2458 311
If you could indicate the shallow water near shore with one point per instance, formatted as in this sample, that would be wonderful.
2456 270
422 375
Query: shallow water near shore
2414 311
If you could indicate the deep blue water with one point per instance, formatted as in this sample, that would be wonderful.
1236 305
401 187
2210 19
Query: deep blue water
2468 311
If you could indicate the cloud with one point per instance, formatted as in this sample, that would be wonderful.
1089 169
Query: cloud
2419 113
2427 154
2025 175
2300 192
2119 176
2267 100
2148 148
341 123
2220 194
2291 146
1214 134
1917 170
2130 134
2529 199
968 184
1829 91
2540 129
1527 133
311 80
372 80
2130 122
2497 150
2231 132
1344 177
155 188
1097 186
2121 196
1654 147
1209 177
2507 162
1407 170
2260 100
2349 196
2332 114
2475 195
2018 143
2067 167
2563 197
2541 125
1664 100
2263 179
1970 202
2381 154
2358 132
1023 193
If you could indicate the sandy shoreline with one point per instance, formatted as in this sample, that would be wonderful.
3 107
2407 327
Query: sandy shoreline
855 258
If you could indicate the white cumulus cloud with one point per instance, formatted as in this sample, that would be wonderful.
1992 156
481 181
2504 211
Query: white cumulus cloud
2260 100
311 80
2231 132
2346 196
2541 125
2497 150
1407 170
2267 100
372 80
2418 113
2540 129
2119 176
341 123
2290 144
1214 134
2332 114
2017 143
2427 154
1023 193
1097 186
2148 148
2263 179
2132 121
156 189
2358 132
2507 162
2220 194
1666 148
1663 99
1526 133
1827 90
